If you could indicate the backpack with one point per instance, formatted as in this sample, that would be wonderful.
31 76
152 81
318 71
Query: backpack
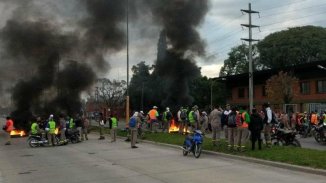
224 118
168 115
183 115
132 122
232 120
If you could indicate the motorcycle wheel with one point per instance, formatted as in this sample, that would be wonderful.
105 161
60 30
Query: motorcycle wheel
33 143
317 137
197 150
296 143
278 143
184 151
73 140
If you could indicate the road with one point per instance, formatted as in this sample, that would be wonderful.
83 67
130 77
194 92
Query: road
101 161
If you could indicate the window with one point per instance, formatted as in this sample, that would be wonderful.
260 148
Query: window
241 92
321 86
305 87
264 94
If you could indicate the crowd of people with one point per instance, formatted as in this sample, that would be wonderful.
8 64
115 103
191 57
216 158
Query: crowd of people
238 124
49 127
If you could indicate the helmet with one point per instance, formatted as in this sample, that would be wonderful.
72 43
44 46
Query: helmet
154 107
167 108
51 115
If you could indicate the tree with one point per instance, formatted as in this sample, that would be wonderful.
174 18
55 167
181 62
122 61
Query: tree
238 63
293 46
112 92
201 90
281 88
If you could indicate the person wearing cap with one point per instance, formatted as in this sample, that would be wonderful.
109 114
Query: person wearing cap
153 114
140 125
51 131
182 120
215 121
133 123
204 122
167 116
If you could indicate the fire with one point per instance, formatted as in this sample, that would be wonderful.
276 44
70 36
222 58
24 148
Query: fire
56 131
18 132
175 128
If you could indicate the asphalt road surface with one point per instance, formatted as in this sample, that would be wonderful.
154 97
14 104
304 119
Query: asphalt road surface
102 161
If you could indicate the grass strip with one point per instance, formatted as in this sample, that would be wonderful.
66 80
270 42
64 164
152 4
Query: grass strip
285 154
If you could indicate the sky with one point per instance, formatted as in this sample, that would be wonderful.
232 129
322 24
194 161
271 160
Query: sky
221 30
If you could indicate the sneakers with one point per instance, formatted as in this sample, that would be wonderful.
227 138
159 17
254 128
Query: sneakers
7 143
134 147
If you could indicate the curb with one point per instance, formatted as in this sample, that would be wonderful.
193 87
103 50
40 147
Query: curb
252 160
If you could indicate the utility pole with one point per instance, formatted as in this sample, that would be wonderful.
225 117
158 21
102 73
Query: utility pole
127 98
250 40
142 96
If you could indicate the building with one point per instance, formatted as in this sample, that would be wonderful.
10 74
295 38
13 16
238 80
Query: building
311 95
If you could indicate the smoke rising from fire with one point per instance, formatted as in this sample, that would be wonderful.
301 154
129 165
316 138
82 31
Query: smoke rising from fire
53 50
179 20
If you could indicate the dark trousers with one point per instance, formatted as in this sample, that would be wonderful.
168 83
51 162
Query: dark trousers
255 136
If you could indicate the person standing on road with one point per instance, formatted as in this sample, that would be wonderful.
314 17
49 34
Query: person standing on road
85 125
255 126
63 128
79 126
215 121
101 125
51 131
153 114
8 127
133 123
114 128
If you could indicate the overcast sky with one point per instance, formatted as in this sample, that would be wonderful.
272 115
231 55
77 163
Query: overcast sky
221 30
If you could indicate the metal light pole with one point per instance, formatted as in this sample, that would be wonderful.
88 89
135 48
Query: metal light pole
127 98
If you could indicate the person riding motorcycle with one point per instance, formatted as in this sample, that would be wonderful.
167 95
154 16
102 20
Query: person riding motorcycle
35 129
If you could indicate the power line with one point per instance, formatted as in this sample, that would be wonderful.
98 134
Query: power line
293 19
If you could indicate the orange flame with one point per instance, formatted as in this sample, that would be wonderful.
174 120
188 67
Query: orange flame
56 131
175 128
18 132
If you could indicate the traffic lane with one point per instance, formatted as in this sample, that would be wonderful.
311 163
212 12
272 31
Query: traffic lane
101 161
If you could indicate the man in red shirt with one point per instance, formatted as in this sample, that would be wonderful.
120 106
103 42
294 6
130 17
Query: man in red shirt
8 128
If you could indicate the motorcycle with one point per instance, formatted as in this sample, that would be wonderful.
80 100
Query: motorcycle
72 135
193 143
319 133
284 137
37 141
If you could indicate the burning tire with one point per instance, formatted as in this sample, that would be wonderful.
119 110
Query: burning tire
197 150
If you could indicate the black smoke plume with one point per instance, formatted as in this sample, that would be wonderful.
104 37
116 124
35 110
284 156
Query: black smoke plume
51 83
179 19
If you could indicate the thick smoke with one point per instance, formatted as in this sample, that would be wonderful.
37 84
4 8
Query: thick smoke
179 20
40 38
52 83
